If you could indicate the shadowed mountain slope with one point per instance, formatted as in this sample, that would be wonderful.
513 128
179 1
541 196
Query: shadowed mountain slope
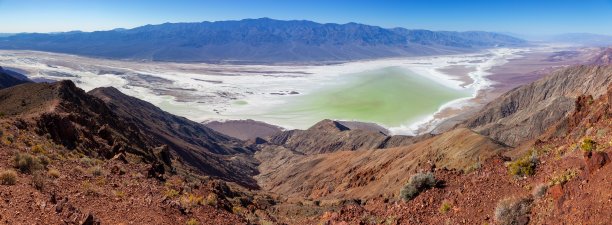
9 78
115 123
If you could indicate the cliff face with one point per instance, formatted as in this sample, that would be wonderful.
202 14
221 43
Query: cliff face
527 111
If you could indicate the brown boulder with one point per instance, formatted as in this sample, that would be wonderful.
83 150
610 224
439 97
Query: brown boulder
595 160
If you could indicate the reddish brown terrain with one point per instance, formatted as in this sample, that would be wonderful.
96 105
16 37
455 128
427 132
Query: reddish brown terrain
538 154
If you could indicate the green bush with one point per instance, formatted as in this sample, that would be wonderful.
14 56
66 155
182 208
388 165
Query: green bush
445 207
27 163
510 210
588 145
524 166
417 183
8 177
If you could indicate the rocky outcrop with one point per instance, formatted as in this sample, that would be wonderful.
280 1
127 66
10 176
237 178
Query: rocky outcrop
527 111
330 136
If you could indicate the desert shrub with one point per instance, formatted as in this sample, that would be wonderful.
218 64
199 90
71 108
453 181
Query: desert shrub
88 161
119 194
510 210
89 189
96 171
191 200
473 167
192 221
445 207
44 160
54 173
78 170
539 190
171 193
9 139
38 180
564 177
524 166
266 222
212 199
417 183
38 149
588 145
8 177
27 163
237 210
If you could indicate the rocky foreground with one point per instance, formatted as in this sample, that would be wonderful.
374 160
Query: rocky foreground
539 154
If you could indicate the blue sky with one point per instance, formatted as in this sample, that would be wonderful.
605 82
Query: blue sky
518 16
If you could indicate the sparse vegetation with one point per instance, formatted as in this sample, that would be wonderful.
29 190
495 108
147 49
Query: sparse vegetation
54 173
524 166
88 161
119 194
211 199
564 177
38 180
192 221
171 193
510 210
417 183
237 209
266 222
38 149
588 145
96 171
191 200
89 188
445 207
472 168
27 163
8 177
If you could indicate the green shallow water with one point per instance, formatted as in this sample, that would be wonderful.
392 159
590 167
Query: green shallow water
391 96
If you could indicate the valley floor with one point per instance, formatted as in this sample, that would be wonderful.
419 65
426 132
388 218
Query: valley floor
297 96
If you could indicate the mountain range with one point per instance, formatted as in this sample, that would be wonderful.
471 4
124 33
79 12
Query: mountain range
258 40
